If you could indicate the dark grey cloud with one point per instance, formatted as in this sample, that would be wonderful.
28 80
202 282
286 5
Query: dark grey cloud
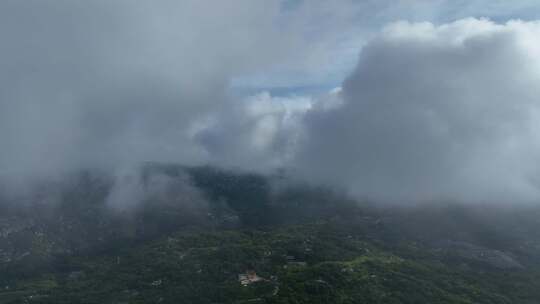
433 113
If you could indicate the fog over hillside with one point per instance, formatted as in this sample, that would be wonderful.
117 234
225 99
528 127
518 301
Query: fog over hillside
269 151
418 102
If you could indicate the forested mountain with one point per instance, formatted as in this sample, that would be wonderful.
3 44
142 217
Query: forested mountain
207 235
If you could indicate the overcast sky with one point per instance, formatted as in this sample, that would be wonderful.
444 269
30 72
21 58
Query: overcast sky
405 100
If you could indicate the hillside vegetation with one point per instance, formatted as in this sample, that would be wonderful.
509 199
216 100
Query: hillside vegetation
305 245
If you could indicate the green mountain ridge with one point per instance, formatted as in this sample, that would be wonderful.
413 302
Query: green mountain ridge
298 244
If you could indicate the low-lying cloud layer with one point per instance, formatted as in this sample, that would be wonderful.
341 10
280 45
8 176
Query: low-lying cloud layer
430 111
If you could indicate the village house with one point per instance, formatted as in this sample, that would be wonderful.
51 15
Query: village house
249 277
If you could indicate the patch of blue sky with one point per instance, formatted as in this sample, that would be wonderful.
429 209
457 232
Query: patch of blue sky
334 38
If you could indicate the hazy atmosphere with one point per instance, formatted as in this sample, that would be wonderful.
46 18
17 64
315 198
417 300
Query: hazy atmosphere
270 151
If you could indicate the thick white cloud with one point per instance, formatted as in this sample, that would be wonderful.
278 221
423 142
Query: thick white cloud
329 34
435 112
259 132
113 82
